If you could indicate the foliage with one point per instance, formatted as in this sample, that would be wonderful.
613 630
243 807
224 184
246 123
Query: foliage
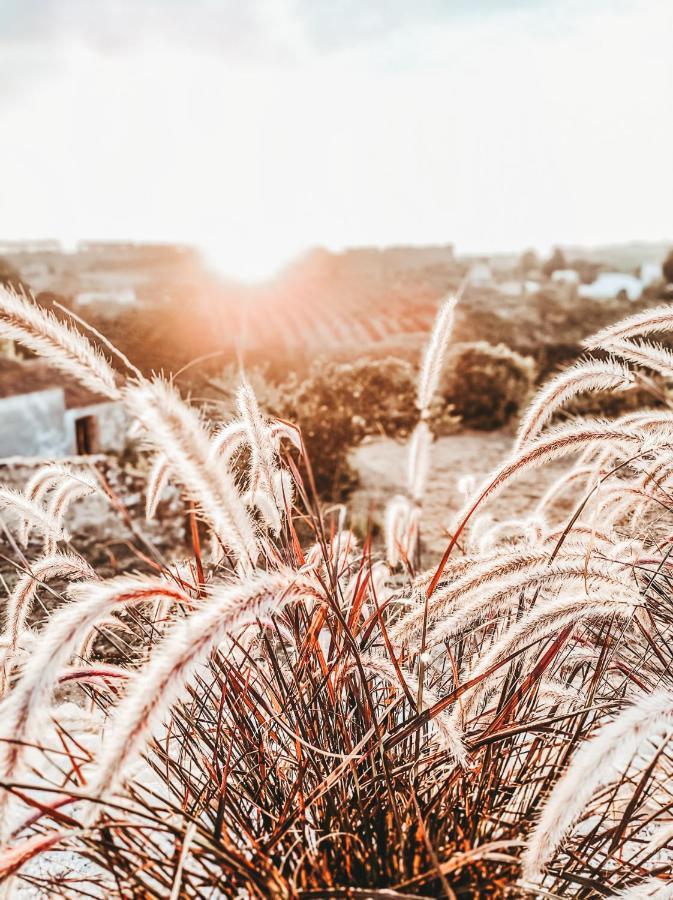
555 262
487 385
528 262
667 268
339 404
9 276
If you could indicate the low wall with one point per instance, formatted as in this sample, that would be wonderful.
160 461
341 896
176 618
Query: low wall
103 527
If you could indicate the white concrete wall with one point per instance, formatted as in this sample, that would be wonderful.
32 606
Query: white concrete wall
112 425
34 425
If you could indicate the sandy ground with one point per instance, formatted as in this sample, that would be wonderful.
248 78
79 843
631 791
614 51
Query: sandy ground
381 464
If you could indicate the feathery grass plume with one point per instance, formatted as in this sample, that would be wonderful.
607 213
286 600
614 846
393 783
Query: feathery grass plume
431 368
25 708
32 512
59 344
176 430
471 577
586 375
56 565
44 479
402 518
572 568
555 692
559 485
228 439
646 354
594 765
450 737
165 678
401 528
545 620
337 553
624 504
282 429
418 461
649 321
553 444
70 490
262 468
530 530
156 482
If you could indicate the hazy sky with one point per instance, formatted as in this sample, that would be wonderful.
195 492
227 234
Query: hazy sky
256 128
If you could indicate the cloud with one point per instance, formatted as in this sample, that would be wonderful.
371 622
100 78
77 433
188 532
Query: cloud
253 27
523 126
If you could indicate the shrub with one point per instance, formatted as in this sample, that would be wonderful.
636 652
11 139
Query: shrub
339 404
487 385
667 268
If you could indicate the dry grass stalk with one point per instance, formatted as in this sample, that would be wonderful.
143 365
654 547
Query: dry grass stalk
586 375
59 344
649 321
167 675
175 430
431 367
593 765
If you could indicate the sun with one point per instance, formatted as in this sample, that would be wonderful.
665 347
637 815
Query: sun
249 263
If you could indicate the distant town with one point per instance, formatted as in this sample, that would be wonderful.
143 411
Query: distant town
160 304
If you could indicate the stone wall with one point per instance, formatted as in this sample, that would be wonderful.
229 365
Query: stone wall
107 526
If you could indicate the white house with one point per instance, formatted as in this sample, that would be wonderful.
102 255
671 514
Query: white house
119 297
650 272
609 285
480 274
47 416
39 424
566 276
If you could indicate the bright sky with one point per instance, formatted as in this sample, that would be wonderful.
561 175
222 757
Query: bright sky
258 128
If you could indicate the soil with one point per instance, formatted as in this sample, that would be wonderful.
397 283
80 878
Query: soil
381 464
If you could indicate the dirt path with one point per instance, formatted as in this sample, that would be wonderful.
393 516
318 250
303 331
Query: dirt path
382 467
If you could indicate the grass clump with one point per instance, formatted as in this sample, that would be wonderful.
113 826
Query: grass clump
296 718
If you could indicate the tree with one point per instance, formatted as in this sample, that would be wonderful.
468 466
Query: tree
667 268
556 261
9 276
529 262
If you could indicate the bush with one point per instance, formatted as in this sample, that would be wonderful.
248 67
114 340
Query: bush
487 385
339 404
667 268
295 721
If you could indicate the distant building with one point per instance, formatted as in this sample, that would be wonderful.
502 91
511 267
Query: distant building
511 288
41 416
609 285
566 276
480 274
650 273
120 297
8 248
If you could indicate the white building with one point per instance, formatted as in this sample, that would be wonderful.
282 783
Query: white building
609 285
480 274
44 415
650 272
119 297
38 424
566 276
